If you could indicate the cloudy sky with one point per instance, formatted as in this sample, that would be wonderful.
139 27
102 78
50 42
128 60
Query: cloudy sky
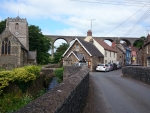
113 18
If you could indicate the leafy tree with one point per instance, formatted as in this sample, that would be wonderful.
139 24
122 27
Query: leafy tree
140 42
59 52
2 25
40 43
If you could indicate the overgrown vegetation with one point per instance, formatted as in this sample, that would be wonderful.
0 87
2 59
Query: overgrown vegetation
21 76
14 101
59 74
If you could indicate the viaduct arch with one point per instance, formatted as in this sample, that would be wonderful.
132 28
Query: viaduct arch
68 39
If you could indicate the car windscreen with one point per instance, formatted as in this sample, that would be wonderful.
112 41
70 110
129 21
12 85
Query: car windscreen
100 64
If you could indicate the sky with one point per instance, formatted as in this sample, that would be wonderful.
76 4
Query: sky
106 18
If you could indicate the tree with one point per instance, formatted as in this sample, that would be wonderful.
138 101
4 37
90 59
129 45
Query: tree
2 25
40 43
140 42
59 52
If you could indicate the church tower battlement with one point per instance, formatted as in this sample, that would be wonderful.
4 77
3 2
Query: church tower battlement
19 28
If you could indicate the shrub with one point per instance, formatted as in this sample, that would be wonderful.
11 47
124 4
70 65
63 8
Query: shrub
23 77
59 74
5 78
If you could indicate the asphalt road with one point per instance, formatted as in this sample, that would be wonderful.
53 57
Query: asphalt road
115 94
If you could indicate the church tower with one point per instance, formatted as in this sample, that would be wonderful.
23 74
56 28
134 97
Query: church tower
19 28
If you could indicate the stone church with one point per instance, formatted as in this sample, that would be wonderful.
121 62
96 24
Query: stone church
14 44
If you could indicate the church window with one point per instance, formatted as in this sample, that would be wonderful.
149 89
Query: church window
16 26
6 46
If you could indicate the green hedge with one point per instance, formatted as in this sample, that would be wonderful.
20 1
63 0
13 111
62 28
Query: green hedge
21 76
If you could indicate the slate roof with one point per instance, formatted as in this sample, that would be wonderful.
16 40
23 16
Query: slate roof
79 55
91 48
32 55
121 48
104 45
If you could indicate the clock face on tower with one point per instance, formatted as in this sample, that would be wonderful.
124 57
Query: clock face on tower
16 33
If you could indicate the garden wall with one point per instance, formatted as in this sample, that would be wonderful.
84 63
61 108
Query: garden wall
137 72
68 97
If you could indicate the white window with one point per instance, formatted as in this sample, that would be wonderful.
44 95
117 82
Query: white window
105 53
77 47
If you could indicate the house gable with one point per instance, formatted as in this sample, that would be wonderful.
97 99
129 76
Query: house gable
73 48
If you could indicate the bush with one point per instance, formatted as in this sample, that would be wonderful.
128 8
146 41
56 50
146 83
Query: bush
5 78
59 74
23 77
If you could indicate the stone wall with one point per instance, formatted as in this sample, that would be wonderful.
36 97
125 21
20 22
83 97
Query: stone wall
68 70
137 72
68 97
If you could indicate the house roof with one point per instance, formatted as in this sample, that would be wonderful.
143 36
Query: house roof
104 45
32 55
134 48
91 48
121 48
88 47
79 56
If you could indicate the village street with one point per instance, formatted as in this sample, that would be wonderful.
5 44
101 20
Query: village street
111 93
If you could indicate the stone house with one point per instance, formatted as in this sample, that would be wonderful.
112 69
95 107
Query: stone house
143 53
82 51
121 53
14 44
110 54
139 56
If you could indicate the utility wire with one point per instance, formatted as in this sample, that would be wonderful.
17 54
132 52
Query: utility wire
144 16
114 3
125 20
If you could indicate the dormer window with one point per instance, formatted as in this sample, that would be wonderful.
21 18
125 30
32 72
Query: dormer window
17 26
6 46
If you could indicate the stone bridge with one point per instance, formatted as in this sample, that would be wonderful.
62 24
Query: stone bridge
68 39
72 95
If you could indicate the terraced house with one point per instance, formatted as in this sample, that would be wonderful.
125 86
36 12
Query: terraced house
109 53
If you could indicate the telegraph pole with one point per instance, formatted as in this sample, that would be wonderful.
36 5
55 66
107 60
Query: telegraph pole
91 23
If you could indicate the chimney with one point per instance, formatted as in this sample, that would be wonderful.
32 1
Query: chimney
113 45
89 33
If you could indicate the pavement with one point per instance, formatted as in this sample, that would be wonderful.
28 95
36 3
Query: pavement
111 93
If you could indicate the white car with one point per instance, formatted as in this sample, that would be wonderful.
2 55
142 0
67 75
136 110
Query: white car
79 64
102 67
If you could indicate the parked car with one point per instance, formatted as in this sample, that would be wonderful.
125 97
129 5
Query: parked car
110 67
80 64
114 66
119 65
102 67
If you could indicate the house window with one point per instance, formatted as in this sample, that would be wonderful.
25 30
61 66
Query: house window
147 49
16 26
105 53
77 47
114 54
110 53
6 46
105 61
